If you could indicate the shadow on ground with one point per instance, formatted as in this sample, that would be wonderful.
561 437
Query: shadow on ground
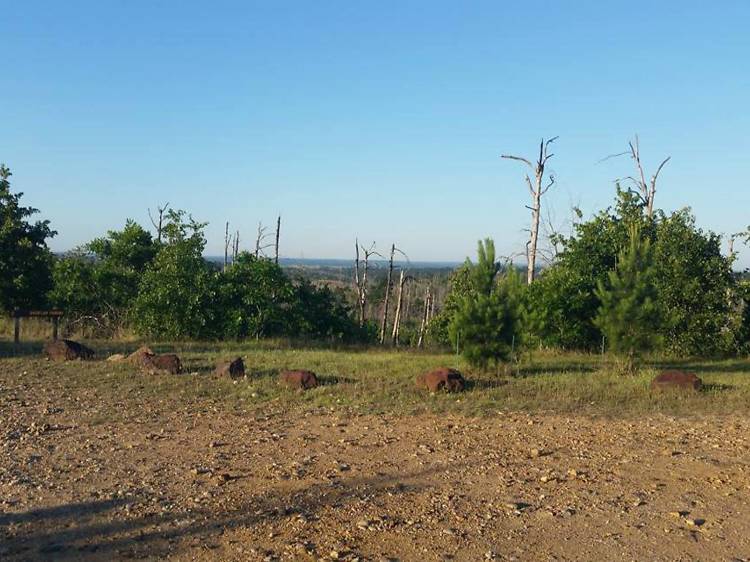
99 530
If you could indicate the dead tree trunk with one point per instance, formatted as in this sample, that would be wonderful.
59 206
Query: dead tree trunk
260 240
236 246
425 316
536 190
389 282
158 223
407 300
646 190
358 285
227 242
432 308
403 279
278 231
360 278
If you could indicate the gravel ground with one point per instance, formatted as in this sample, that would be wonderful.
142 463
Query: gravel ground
88 476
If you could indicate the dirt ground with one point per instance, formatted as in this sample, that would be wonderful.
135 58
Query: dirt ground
162 480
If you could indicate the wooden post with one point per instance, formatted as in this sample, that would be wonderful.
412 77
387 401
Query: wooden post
16 329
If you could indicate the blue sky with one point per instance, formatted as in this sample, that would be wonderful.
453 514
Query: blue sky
383 120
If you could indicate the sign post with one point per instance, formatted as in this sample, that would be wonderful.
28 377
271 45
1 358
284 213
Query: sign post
18 313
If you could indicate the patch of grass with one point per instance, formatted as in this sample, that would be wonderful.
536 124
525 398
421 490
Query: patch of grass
378 381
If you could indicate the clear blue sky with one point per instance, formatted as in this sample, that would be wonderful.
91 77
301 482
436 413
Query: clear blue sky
383 120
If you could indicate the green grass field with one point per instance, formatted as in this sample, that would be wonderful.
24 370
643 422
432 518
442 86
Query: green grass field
374 380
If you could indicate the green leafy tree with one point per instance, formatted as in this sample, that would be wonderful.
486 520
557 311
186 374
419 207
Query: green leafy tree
487 322
257 298
560 307
692 278
459 287
76 289
629 314
25 259
694 282
562 304
97 284
741 317
179 293
131 249
320 312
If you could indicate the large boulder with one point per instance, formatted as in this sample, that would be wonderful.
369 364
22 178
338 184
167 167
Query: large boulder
168 363
140 355
67 350
679 380
298 380
232 368
449 380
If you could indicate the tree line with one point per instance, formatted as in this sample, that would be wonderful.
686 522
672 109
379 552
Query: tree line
630 279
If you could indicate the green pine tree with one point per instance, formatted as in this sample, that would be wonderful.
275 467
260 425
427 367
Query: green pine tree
629 316
486 323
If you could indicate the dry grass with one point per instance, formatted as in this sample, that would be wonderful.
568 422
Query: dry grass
375 380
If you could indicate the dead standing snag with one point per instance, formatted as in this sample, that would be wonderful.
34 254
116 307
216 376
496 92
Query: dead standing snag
536 190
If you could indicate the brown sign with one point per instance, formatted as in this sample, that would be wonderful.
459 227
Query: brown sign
18 313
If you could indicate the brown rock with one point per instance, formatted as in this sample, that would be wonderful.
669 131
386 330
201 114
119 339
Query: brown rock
676 380
167 363
67 350
139 355
234 368
449 380
299 380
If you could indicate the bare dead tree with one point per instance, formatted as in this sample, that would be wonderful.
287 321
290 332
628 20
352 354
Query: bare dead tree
425 316
646 190
408 300
389 282
536 189
260 240
431 312
236 246
403 279
744 235
227 242
361 267
159 221
730 244
278 232
388 287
